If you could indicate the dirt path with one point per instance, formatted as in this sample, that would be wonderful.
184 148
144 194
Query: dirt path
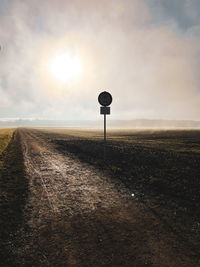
75 216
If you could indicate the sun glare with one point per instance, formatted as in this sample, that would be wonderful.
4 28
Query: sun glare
66 67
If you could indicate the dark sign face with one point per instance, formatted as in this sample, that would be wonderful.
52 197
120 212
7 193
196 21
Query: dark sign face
105 99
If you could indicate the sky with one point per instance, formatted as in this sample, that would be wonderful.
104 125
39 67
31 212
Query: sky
144 52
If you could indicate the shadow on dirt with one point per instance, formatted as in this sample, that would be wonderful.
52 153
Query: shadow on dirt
100 238
165 180
13 193
147 170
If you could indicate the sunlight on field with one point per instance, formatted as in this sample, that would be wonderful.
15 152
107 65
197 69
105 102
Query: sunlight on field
5 137
175 140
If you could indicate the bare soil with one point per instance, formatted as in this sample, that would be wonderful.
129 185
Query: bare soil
75 215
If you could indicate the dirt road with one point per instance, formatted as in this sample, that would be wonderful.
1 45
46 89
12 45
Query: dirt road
76 216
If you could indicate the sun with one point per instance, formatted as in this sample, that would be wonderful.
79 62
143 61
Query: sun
66 67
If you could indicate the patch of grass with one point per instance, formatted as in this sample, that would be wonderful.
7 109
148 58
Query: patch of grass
13 191
5 137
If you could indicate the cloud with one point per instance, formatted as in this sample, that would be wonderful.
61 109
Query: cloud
151 70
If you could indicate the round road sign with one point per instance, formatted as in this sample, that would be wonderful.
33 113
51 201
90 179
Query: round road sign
105 99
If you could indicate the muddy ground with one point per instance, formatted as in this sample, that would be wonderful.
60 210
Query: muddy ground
75 214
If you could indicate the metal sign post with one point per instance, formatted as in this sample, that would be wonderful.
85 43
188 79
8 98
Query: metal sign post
105 99
104 155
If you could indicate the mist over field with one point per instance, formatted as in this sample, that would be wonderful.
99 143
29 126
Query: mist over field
145 52
98 124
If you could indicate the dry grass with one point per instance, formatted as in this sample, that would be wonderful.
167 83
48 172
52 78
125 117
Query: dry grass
5 137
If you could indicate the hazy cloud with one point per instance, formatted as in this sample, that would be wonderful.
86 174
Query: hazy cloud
145 62
184 13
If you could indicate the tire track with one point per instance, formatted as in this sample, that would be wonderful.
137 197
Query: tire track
33 171
63 178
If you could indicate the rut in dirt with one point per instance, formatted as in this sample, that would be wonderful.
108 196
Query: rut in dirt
76 216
